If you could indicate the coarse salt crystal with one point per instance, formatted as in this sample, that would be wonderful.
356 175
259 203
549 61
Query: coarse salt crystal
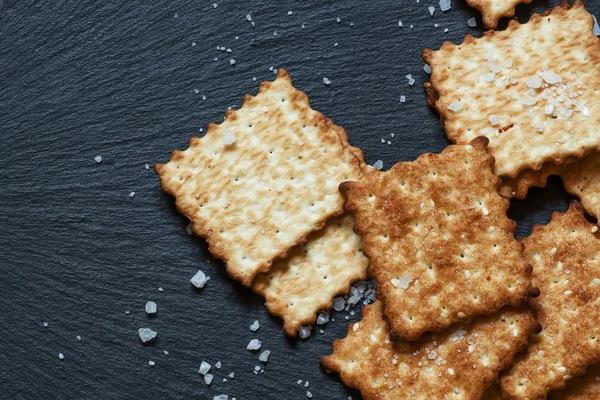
231 61
411 81
494 120
61 356
221 397
535 82
255 325
528 100
551 77
400 24
402 99
431 10
146 334
208 378
322 318
200 279
326 81
472 22
254 345
596 28
131 195
249 17
445 5
378 165
228 136
494 66
150 308
488 77
304 331
204 368
339 304
548 109
404 281
594 228
455 106
264 356
427 69
98 159
151 363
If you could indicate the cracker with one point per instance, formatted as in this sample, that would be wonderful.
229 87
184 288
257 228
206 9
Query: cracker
486 86
256 198
493 10
440 244
519 186
313 274
456 364
582 179
565 255
585 387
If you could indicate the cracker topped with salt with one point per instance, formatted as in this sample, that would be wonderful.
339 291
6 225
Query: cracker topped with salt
313 274
565 255
260 182
458 363
533 89
493 10
440 243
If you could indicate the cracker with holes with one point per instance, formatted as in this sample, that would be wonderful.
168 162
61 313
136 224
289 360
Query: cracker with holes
585 387
458 363
565 255
582 179
493 10
313 274
533 89
519 186
441 247
260 182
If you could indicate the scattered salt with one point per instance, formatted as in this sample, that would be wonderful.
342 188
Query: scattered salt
228 136
431 10
61 356
472 22
232 62
204 368
445 5
78 337
339 304
255 325
151 308
404 281
264 356
132 194
218 365
427 69
208 378
455 106
326 81
290 12
494 120
596 28
411 81
45 324
308 394
200 279
249 17
402 99
254 345
378 165
151 363
221 397
98 159
304 331
189 229
534 82
551 77
322 318
147 166
146 334
400 24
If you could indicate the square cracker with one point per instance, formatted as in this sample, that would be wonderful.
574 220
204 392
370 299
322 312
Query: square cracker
585 387
458 363
582 179
519 186
493 10
533 89
255 199
565 255
440 243
313 274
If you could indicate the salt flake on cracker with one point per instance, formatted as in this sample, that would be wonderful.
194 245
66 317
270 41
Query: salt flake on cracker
441 247
535 125
565 255
313 274
259 183
459 363
493 10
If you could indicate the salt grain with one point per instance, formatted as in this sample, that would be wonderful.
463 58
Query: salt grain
98 159
204 368
402 99
455 106
472 22
339 303
551 77
208 378
427 68
221 397
326 81
151 363
596 28
411 81
255 325
378 165
534 82
150 308
200 279
146 334
132 195
445 5
61 356
304 332
249 17
254 345
264 356
228 136
232 62
431 10
322 318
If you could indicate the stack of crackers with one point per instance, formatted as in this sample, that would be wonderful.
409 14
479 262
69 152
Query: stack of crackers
287 203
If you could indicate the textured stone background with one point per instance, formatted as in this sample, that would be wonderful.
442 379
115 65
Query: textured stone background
118 79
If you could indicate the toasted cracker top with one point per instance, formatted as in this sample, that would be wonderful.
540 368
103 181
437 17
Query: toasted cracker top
256 198
493 10
565 255
533 89
585 387
441 247
458 363
313 274
582 179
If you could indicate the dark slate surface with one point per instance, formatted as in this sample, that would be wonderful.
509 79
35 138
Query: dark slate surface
118 79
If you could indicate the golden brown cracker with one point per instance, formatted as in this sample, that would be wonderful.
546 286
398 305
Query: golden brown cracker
565 255
441 247
256 198
519 186
493 10
582 179
533 89
459 363
313 274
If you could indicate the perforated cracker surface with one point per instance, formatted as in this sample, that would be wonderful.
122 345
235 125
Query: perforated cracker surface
456 364
493 10
582 179
441 247
519 186
585 387
533 89
313 274
256 198
565 255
